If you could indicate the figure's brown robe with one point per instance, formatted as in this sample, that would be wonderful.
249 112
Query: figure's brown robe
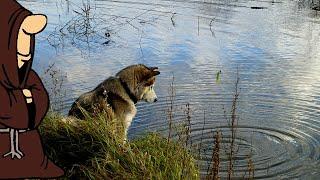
14 111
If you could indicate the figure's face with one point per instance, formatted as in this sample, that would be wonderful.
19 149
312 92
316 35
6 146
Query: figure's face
31 25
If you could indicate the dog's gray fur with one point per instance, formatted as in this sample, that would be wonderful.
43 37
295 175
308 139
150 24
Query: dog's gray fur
116 96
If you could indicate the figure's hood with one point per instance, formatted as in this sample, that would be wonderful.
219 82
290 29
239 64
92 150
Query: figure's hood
12 15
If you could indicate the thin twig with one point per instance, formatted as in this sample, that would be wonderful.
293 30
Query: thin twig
198 25
172 21
233 127
210 25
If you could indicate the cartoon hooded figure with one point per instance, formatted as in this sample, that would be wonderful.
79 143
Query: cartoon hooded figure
23 98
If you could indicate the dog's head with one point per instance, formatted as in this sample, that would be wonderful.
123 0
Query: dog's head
140 80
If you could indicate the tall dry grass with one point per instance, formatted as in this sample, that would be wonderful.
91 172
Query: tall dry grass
230 150
93 149
214 168
233 128
170 107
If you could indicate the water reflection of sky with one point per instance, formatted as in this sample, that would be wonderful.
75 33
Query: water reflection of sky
276 50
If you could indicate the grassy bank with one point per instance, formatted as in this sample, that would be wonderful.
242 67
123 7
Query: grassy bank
93 149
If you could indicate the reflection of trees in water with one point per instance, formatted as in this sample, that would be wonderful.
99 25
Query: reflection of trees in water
92 27
82 30
55 83
217 11
222 9
88 29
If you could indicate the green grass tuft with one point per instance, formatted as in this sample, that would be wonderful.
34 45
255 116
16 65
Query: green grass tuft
93 149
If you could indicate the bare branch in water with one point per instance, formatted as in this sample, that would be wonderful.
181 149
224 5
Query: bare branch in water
210 25
172 21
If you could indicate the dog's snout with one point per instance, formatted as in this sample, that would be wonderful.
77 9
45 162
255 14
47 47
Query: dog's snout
155 100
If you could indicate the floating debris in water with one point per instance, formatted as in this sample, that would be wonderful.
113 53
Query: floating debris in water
107 42
257 7
107 34
172 19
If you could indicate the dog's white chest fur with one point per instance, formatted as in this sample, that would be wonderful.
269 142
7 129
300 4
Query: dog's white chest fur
128 119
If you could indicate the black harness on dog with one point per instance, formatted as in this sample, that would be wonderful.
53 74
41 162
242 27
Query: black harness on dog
131 95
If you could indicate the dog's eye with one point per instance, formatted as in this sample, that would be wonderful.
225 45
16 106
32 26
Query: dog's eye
151 87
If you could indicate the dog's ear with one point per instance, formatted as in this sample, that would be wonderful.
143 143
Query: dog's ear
153 68
151 74
154 71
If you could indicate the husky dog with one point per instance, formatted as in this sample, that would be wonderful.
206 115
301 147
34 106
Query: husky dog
116 96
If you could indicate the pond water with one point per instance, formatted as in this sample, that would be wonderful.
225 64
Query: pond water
274 45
